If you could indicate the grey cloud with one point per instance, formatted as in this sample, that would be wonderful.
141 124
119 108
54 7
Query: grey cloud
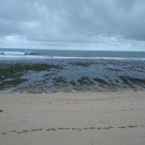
40 20
126 4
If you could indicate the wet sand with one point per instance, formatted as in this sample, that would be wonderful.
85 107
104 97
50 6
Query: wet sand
104 118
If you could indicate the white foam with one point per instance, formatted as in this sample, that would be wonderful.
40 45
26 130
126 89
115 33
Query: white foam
111 58
13 53
22 56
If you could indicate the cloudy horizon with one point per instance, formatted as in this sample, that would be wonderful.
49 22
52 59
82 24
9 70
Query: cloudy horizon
95 24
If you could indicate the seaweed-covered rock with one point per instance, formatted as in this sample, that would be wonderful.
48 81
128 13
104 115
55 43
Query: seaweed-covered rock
86 81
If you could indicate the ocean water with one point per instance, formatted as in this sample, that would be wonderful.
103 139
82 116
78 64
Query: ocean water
45 71
64 54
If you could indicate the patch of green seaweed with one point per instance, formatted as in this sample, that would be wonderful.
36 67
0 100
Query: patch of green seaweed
10 83
11 74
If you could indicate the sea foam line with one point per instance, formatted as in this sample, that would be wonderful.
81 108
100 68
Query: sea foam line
21 57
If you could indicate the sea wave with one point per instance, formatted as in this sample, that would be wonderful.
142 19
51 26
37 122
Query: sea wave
12 53
18 54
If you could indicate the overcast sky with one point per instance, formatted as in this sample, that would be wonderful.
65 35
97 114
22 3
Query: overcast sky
96 24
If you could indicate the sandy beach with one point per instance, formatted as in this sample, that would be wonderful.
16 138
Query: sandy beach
107 118
72 72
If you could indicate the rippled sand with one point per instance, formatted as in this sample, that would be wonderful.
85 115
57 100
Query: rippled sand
107 118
